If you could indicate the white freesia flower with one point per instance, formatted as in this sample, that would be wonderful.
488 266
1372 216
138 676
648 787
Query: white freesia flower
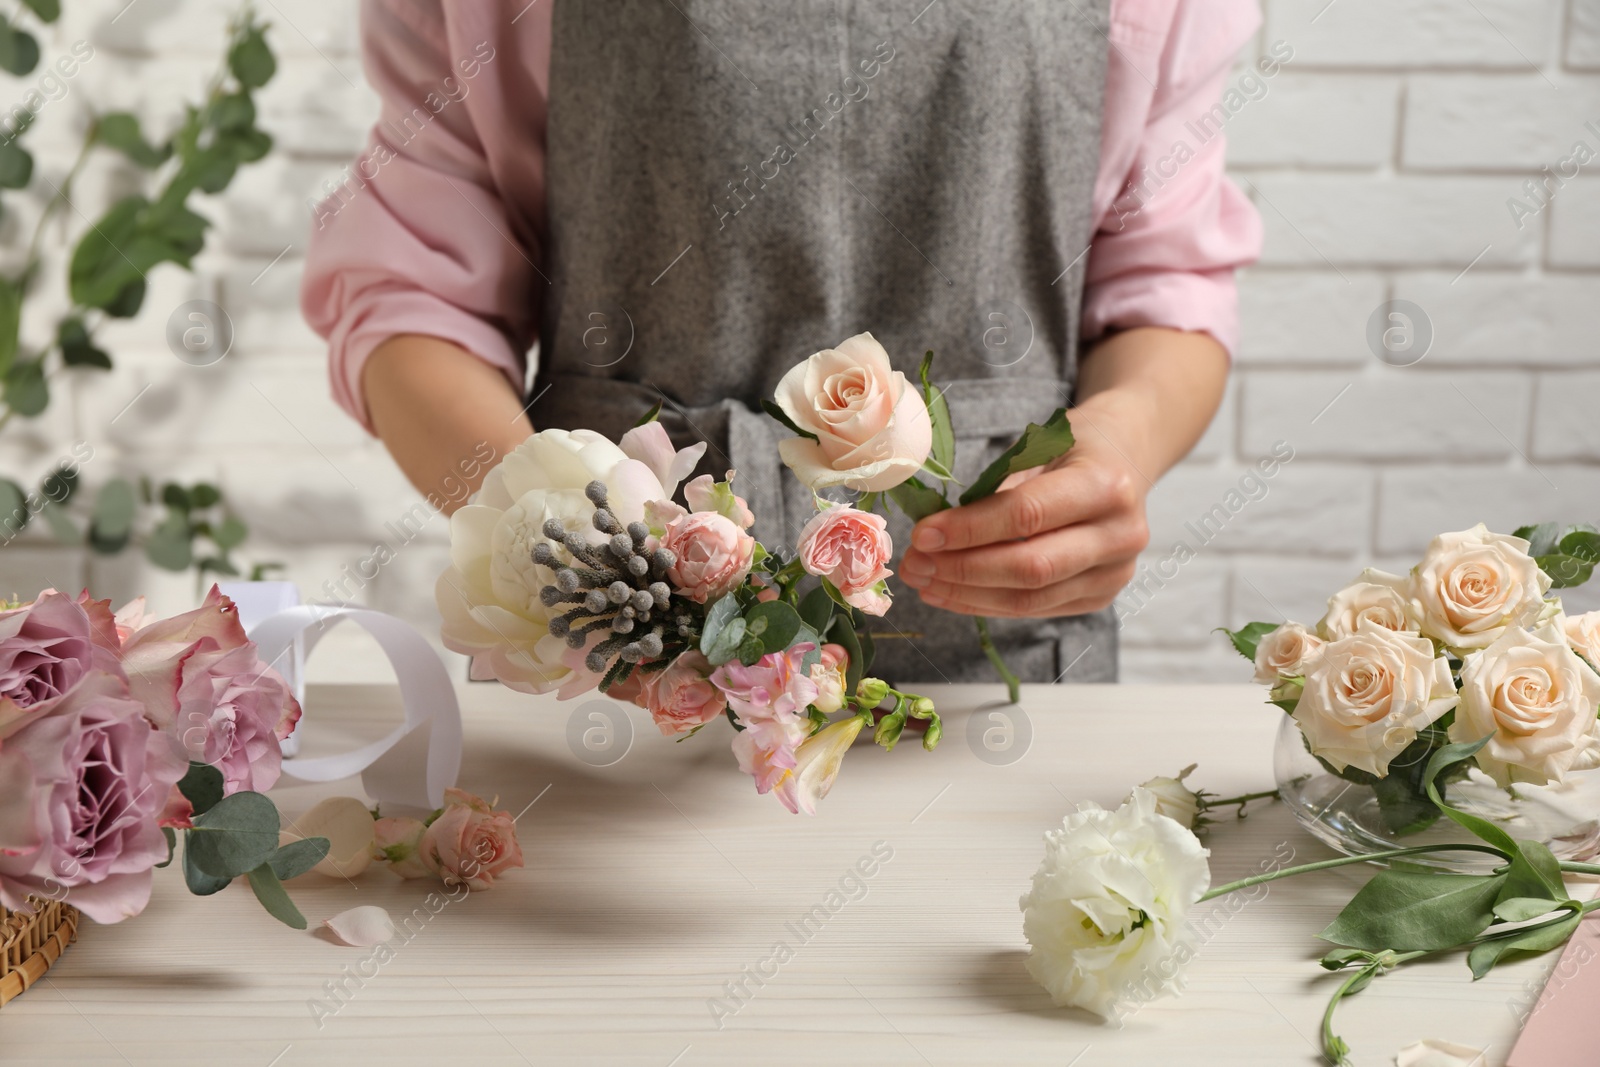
1286 652
1368 695
489 597
1377 597
1472 585
1535 699
1174 799
1105 916
818 759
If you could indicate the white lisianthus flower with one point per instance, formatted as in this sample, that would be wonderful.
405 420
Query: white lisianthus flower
1286 652
1105 916
1472 585
489 597
1174 799
1368 695
1375 596
1535 699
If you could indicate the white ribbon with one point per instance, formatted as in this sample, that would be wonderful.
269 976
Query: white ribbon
410 766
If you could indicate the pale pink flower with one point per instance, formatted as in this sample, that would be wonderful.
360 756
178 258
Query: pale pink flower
829 675
707 494
650 445
713 555
48 647
850 548
681 696
470 843
766 751
773 687
399 842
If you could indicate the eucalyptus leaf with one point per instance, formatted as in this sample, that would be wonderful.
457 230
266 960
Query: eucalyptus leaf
16 166
114 508
120 130
169 545
26 391
235 836
1417 911
1038 445
269 890
46 10
19 50
778 623
14 513
77 350
10 322
62 528
727 643
724 611
199 882
250 60
298 857
230 533
202 786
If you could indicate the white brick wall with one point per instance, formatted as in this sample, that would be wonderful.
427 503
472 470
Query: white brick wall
1381 156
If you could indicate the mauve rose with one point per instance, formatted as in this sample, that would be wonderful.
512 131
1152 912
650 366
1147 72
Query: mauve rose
99 776
851 549
713 555
49 646
200 680
470 843
871 425
681 696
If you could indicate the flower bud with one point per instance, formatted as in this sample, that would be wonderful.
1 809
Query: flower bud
888 731
930 740
922 708
871 691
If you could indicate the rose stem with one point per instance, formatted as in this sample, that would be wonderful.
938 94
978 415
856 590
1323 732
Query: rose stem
1013 683
1415 850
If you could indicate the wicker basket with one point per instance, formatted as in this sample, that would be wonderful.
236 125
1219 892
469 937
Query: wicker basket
31 941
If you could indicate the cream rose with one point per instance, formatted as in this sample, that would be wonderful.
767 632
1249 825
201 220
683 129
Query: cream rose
489 597
1472 585
1106 913
1375 596
1583 634
1534 699
871 425
1174 799
1286 652
1368 695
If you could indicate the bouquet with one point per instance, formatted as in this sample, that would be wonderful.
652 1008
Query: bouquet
576 568
1465 648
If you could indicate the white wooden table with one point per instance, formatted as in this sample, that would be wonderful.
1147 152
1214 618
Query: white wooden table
653 882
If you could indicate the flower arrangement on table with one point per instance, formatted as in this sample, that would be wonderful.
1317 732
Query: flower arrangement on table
119 732
1465 646
575 569
1463 663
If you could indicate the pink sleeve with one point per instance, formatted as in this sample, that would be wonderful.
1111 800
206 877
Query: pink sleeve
1173 228
420 237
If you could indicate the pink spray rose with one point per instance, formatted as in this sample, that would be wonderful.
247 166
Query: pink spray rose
98 776
681 696
713 555
200 680
850 548
398 841
48 647
470 843
773 688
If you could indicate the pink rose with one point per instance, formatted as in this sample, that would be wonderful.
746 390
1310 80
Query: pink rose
98 777
681 696
200 679
48 647
850 548
871 425
828 674
398 841
469 843
713 555
773 688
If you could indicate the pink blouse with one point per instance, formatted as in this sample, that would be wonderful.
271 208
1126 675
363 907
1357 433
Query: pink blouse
438 227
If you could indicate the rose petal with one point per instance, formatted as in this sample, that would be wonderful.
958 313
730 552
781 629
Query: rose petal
349 828
362 927
1434 1053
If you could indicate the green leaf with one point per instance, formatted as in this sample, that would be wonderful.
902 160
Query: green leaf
202 786
26 391
235 836
233 111
1247 639
1446 758
172 846
204 495
650 416
61 527
1414 911
217 565
774 623
199 882
944 441
298 857
10 323
14 513
77 350
113 509
1524 909
169 546
269 890
250 60
230 533
1491 951
918 501
778 413
47 10
16 166
1534 872
127 242
1404 807
1541 538
120 130
727 644
1037 445
175 496
717 618
19 52
843 633
816 609
126 304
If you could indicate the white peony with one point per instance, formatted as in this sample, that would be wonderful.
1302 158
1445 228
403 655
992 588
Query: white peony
1286 652
1535 699
1105 916
489 597
1376 596
1369 694
1472 585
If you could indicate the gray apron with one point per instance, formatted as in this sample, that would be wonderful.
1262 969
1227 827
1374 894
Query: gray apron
732 187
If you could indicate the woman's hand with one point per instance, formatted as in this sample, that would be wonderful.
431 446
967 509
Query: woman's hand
1064 539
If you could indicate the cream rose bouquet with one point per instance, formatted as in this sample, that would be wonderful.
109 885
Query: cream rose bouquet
1465 648
576 568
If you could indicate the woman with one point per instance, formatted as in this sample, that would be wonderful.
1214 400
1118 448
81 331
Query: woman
679 199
